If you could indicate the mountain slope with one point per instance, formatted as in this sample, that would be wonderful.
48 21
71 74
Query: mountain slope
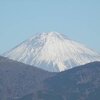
23 82
52 52
80 83
18 79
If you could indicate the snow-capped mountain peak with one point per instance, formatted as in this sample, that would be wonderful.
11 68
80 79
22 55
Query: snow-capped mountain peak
52 52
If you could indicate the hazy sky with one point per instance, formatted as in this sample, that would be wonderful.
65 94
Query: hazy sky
78 19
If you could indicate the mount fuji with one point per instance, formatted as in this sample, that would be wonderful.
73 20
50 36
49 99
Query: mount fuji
53 52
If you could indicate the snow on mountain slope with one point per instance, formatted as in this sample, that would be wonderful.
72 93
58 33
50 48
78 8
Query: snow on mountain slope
52 52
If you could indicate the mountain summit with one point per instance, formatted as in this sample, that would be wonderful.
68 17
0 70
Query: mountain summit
52 52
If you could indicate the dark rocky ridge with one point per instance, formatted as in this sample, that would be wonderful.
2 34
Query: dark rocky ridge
81 83
23 82
18 79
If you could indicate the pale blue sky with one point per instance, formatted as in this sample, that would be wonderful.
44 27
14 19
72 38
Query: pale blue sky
78 19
